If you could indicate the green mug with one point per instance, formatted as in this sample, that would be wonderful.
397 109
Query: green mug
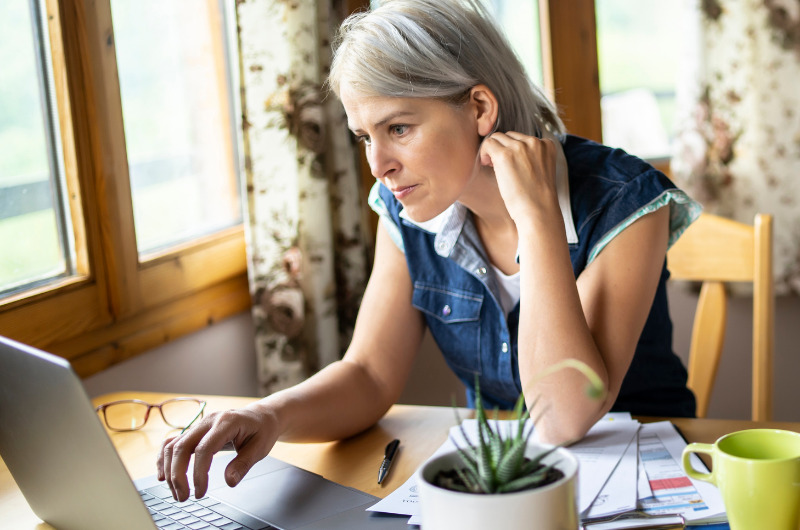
757 472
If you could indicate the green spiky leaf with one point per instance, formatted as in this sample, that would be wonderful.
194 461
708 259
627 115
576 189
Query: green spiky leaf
509 466
526 481
496 462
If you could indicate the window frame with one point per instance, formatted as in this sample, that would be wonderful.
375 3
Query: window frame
118 305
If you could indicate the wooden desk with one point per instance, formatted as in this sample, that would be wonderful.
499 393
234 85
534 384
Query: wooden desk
353 462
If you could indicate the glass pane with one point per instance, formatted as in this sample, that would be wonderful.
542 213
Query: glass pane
638 61
520 21
177 109
33 232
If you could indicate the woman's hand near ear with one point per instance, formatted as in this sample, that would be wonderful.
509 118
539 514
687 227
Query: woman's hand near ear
525 168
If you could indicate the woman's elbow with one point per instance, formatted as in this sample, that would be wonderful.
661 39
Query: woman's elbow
571 425
562 432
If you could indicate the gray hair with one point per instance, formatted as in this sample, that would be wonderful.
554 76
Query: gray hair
439 49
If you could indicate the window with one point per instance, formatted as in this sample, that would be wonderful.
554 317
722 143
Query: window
638 63
178 130
35 235
520 21
114 114
626 47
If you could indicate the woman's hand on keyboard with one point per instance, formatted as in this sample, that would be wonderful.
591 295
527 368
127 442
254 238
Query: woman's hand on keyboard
252 430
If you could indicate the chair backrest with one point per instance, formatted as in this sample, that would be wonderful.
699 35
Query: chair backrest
715 251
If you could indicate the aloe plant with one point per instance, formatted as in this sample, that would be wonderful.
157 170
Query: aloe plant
497 463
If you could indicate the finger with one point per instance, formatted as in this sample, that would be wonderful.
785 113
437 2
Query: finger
514 135
491 146
160 460
543 146
514 138
499 142
496 155
248 454
204 453
166 453
182 449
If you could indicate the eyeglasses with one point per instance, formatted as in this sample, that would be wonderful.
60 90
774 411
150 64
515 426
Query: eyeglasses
132 414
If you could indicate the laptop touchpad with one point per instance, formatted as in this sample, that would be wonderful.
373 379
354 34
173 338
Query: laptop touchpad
291 497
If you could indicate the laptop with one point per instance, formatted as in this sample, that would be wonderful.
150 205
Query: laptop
57 450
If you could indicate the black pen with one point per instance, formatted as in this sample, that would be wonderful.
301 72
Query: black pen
388 457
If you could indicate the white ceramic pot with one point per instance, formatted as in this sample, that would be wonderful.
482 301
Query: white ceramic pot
551 507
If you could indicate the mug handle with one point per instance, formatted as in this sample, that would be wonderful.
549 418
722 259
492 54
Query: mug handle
687 465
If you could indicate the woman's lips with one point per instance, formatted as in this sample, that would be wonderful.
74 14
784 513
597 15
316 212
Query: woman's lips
403 191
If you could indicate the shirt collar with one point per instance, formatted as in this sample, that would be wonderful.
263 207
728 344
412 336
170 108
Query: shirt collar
448 224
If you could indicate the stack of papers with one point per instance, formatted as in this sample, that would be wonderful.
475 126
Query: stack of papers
629 475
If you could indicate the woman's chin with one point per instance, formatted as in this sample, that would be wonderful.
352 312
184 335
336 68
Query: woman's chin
421 215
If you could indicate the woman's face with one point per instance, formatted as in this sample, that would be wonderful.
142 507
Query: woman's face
424 150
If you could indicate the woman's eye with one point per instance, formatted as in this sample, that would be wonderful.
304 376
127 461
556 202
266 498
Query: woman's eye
363 139
399 130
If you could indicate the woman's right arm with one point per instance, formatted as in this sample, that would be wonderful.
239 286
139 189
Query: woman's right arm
340 400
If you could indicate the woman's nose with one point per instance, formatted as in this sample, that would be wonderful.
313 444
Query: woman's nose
381 161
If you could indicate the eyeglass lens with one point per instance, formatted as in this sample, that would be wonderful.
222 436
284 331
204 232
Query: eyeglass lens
132 415
180 412
126 415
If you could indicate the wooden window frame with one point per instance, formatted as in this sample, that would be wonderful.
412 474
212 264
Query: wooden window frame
118 305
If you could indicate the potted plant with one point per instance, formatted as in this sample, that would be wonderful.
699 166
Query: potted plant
503 479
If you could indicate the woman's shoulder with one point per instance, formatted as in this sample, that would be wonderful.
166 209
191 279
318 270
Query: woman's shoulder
600 175
610 189
589 159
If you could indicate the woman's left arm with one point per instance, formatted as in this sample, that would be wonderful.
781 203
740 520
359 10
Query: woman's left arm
597 319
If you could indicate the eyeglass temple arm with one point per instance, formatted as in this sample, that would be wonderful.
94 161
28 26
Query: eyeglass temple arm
198 415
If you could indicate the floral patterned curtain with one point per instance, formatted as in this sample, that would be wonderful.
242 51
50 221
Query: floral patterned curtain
307 255
738 140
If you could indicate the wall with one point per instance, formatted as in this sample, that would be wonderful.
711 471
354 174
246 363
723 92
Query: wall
220 360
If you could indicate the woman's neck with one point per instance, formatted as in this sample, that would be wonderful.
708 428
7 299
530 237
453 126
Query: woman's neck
497 230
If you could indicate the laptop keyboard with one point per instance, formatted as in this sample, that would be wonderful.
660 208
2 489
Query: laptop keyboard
195 514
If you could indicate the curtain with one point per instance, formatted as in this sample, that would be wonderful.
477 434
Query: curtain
307 254
737 146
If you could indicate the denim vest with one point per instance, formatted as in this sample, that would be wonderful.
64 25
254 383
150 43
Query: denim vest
608 190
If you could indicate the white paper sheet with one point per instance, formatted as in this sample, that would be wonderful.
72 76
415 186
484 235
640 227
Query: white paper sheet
598 454
620 492
643 485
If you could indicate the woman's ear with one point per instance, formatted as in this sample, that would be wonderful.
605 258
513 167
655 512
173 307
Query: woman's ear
486 110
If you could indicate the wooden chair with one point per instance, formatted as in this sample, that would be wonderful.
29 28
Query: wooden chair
715 250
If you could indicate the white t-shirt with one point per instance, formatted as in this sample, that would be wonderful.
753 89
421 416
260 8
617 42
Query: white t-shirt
509 290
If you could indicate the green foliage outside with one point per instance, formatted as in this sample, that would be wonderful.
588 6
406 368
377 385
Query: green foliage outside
30 248
22 141
638 45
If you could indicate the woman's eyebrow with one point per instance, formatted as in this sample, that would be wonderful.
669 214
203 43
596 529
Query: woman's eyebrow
384 121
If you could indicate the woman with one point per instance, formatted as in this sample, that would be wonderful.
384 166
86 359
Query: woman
489 214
